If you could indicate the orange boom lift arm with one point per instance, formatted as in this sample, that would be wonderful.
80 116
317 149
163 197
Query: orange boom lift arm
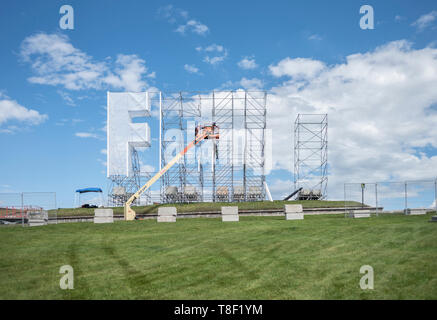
202 132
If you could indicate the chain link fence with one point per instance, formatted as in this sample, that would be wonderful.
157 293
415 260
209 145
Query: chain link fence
392 196
361 195
28 208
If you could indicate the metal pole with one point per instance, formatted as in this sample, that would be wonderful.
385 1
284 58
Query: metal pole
232 150
376 197
325 196
435 195
344 190
213 152
245 145
56 207
160 127
160 146
406 197
22 211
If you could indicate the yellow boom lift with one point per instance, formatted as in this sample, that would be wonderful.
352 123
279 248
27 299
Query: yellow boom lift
201 133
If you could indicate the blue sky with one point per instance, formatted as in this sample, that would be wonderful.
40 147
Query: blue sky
61 147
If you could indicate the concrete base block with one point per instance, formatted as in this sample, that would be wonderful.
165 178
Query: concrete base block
362 211
294 216
37 223
230 218
415 212
103 213
103 220
293 208
167 211
103 216
230 214
293 212
433 219
361 215
166 219
167 214
230 210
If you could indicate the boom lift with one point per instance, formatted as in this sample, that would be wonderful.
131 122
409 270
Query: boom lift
201 133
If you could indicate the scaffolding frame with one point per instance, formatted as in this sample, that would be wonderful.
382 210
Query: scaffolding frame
311 155
225 172
122 187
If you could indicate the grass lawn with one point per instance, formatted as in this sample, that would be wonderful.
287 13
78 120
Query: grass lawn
211 206
256 258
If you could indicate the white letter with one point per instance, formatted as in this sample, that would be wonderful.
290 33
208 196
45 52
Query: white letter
125 134
67 280
366 21
368 277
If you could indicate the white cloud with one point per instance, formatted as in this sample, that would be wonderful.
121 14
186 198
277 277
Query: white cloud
191 68
128 73
214 60
251 84
11 110
65 121
147 169
214 48
297 68
381 107
152 75
167 12
425 20
172 14
214 53
67 98
247 63
193 26
315 37
55 61
102 162
86 135
280 188
179 16
9 129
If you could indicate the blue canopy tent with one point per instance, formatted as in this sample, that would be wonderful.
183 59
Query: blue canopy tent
87 190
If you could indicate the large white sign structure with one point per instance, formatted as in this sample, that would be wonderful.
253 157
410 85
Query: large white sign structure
123 132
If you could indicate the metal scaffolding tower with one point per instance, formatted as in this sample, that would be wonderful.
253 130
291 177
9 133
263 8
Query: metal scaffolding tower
311 156
122 187
228 169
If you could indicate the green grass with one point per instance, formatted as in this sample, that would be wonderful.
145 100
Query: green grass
210 206
256 258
